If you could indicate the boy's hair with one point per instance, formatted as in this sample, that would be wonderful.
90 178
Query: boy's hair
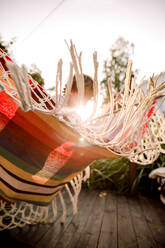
88 84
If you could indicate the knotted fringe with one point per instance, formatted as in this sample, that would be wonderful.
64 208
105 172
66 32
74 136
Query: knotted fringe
131 127
21 213
119 129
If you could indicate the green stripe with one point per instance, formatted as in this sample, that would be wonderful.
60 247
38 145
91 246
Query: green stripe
23 165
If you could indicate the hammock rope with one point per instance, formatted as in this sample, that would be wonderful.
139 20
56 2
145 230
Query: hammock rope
132 116
135 130
20 213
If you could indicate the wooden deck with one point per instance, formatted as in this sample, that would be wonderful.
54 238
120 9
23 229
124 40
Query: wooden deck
109 221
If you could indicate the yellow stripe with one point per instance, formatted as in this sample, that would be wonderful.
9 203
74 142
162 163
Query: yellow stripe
21 196
29 177
7 199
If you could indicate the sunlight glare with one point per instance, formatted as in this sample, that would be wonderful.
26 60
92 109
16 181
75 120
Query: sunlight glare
85 111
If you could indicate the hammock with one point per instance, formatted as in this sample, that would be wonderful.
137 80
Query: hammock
44 145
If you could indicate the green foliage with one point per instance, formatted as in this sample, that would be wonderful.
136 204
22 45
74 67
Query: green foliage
37 77
115 67
6 46
143 183
36 74
113 174
34 71
109 174
3 47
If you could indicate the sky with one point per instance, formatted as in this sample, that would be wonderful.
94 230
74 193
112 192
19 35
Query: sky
41 28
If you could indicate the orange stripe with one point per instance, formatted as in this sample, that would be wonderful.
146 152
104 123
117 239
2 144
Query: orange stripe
35 126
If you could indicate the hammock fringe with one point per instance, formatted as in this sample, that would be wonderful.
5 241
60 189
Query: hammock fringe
118 129
21 213
132 126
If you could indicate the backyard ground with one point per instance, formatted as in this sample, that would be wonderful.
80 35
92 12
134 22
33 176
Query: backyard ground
104 220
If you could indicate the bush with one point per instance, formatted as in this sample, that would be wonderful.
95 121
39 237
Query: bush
109 174
113 174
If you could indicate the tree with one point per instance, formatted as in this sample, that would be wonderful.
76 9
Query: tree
3 47
106 172
115 67
36 74
34 71
6 46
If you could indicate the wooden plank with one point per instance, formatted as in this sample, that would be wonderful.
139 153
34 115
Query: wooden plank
90 236
30 234
108 235
159 208
126 234
109 222
57 230
8 241
154 221
70 238
143 235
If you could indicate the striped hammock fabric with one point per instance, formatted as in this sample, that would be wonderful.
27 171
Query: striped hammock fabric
44 146
38 153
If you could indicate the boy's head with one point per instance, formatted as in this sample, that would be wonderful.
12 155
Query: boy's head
88 91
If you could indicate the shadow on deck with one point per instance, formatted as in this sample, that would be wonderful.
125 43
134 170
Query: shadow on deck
103 221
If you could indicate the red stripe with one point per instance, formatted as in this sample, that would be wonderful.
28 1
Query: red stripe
2 60
36 127
27 140
7 106
3 121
